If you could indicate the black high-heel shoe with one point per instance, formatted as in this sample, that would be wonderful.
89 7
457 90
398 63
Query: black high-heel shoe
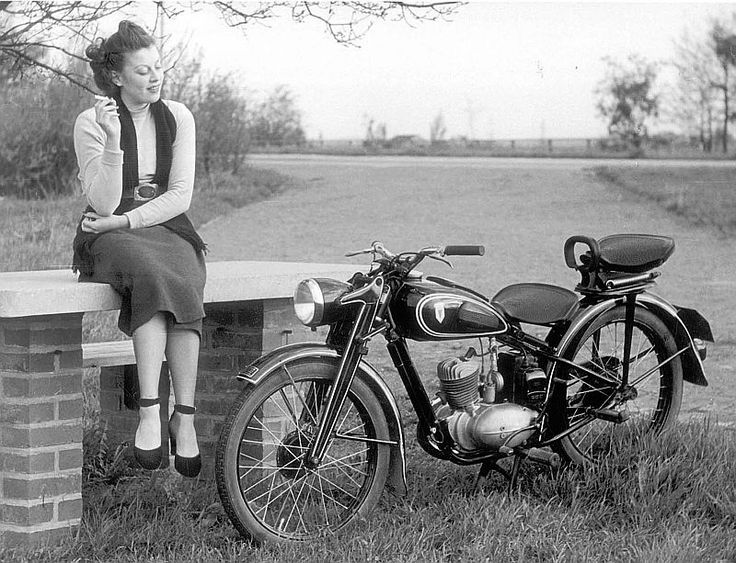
187 466
148 459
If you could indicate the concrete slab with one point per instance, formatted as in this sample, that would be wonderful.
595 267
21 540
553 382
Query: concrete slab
48 292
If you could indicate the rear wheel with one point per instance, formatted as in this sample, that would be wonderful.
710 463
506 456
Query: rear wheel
267 489
650 401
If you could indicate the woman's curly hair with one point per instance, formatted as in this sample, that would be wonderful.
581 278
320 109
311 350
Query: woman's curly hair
106 55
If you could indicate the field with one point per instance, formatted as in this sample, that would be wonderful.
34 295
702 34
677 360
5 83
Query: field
670 500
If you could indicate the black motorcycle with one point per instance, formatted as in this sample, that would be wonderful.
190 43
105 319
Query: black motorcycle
316 434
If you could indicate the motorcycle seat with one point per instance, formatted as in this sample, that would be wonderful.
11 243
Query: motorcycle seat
536 303
634 254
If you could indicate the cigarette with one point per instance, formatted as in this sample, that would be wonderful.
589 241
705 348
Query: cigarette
102 97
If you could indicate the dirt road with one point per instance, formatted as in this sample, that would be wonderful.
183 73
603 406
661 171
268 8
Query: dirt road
521 209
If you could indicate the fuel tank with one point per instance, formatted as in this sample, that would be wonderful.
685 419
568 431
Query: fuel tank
428 310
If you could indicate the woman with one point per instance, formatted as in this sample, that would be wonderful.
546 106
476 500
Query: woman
136 157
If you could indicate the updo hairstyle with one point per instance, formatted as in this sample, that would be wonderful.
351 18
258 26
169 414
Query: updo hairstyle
106 55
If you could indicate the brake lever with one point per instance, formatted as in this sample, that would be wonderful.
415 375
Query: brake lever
439 259
358 252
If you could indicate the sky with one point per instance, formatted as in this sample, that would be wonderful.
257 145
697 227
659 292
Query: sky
495 70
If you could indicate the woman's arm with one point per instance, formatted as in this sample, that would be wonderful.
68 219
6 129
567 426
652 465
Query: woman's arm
99 157
176 199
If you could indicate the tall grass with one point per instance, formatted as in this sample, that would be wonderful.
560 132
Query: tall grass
658 498
703 195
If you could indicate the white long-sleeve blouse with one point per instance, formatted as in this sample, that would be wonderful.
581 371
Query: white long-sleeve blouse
101 169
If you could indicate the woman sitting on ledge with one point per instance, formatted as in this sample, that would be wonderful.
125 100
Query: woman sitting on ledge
136 156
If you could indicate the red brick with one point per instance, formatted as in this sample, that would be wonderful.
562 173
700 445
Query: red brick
55 337
27 461
70 409
221 383
17 337
69 509
14 488
278 313
40 535
26 412
42 385
39 436
70 459
241 338
214 404
216 362
111 401
26 515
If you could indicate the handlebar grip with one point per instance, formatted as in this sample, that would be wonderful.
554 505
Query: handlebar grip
465 250
570 258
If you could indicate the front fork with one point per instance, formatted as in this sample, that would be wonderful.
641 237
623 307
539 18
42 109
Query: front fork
354 351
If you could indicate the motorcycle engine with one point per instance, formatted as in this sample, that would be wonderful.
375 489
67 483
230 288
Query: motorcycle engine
474 422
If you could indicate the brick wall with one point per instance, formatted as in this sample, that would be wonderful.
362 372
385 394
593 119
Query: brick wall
40 427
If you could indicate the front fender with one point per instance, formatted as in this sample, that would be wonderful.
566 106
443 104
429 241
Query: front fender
692 364
260 369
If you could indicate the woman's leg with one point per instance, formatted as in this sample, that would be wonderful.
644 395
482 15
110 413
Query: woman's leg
182 356
149 344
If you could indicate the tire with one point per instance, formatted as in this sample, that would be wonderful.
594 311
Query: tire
263 484
652 406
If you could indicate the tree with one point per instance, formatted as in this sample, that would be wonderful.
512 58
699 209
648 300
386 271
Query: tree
626 98
437 129
222 125
31 32
277 120
692 100
723 42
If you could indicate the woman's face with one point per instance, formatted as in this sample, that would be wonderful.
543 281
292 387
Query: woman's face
141 76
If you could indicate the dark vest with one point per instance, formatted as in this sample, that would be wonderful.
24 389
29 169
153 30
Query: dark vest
165 135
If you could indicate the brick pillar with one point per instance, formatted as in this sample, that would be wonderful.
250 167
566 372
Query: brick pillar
40 428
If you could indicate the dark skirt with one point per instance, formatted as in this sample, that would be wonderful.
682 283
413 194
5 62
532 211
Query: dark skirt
154 270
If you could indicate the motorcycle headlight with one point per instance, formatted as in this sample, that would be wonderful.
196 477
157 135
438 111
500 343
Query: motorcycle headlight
315 300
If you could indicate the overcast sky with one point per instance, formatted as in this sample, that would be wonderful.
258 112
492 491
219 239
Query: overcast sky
497 70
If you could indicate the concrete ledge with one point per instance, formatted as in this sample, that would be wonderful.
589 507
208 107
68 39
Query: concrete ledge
49 292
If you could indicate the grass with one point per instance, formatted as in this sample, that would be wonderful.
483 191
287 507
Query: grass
667 498
704 196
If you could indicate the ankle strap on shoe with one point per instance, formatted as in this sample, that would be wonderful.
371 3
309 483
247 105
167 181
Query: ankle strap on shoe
184 409
148 402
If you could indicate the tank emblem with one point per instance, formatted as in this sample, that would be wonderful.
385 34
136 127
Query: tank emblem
439 311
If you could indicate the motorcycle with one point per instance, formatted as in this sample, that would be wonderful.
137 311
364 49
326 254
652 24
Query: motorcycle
316 434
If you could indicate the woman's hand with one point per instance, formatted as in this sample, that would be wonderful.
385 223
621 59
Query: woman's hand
106 115
94 223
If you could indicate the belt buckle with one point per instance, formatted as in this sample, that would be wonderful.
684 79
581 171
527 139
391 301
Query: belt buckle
145 192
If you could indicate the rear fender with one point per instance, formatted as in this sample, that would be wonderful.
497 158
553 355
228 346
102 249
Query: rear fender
678 324
260 369
680 321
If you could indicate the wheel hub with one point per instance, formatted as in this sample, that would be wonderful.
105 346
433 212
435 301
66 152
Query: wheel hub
291 455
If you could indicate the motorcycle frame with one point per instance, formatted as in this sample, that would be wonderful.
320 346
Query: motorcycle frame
431 435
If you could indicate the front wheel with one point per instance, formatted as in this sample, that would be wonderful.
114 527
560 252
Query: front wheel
649 402
266 487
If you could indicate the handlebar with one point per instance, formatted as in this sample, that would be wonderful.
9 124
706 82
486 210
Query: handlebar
465 250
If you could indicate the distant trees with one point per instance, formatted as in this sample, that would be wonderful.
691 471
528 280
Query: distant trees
723 42
437 129
692 101
277 121
626 98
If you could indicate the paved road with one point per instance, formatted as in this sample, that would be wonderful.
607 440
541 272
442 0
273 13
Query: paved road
521 209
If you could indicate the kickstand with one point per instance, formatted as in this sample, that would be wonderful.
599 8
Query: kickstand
492 465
